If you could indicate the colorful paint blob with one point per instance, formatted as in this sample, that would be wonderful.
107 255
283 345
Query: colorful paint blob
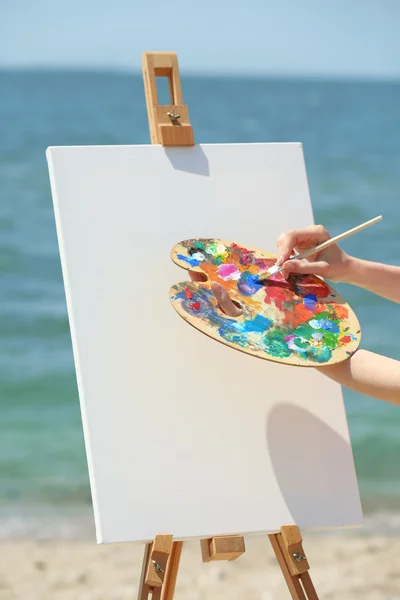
227 272
300 321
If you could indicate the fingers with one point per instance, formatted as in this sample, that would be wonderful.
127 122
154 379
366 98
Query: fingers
196 276
304 267
224 301
301 239
221 295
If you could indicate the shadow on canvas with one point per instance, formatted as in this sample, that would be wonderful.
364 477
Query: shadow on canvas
191 160
309 457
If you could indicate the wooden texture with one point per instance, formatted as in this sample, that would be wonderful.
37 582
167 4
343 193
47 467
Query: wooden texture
160 568
205 550
222 548
157 397
160 551
144 589
171 573
302 321
165 129
288 548
308 586
293 583
292 546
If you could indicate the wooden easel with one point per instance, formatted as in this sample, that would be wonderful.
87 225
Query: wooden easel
170 126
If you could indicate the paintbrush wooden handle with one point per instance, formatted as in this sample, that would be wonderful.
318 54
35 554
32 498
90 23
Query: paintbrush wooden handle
337 239
273 270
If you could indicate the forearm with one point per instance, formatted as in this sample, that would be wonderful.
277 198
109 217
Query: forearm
368 373
383 280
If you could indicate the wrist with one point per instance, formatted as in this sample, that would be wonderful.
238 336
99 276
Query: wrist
351 270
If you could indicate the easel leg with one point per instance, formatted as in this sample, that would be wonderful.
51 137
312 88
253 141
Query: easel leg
309 586
288 549
144 589
171 573
293 584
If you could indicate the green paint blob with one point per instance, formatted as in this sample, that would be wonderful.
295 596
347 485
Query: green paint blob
320 355
275 345
301 343
330 339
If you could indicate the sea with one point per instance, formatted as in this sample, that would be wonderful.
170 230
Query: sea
350 132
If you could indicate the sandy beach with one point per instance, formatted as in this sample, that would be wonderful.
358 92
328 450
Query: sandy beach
343 566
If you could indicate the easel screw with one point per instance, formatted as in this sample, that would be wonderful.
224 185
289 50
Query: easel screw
173 116
157 566
298 557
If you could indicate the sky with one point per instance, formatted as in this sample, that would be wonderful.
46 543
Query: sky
341 38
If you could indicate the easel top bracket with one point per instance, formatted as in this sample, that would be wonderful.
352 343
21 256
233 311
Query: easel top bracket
169 124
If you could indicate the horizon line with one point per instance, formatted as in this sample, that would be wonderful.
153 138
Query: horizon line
212 74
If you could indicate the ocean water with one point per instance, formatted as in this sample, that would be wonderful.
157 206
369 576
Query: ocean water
351 137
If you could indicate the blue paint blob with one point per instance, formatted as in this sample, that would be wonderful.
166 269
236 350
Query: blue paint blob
259 324
310 301
247 285
325 324
205 297
193 262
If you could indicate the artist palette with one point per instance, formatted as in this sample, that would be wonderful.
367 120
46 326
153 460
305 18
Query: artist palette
301 321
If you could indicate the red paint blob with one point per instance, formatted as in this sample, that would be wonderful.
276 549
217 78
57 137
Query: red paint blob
188 293
264 263
278 295
195 305
345 339
278 278
307 285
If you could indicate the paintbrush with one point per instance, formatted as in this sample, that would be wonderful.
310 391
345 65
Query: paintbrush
274 269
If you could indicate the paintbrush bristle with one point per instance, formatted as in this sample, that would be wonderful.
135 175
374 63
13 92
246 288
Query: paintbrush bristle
267 274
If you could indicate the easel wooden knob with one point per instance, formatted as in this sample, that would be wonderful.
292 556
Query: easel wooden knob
169 124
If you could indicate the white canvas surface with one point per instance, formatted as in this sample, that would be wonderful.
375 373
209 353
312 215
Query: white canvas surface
183 434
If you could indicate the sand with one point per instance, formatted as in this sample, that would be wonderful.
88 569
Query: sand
344 566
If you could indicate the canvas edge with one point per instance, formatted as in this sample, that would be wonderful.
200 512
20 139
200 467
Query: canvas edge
249 534
78 374
185 148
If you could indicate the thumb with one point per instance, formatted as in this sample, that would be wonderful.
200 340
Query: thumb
304 267
225 303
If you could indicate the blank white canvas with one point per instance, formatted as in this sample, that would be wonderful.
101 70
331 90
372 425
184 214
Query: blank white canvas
183 434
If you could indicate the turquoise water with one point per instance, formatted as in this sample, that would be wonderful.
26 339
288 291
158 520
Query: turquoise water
351 138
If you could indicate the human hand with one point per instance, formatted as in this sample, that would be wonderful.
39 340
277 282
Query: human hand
331 263
221 295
